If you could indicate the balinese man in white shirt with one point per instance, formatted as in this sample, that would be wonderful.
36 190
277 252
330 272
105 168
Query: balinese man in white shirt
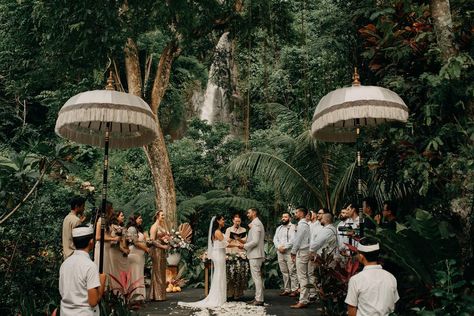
283 241
373 291
80 285
300 255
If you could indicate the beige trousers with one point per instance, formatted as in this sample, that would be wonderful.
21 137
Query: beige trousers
312 278
302 263
256 272
288 270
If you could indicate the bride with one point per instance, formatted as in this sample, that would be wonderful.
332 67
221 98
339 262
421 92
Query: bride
216 245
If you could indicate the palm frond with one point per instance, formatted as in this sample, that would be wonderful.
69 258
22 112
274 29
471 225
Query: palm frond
235 202
287 180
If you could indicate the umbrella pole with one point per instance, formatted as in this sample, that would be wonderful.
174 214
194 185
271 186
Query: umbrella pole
104 197
359 184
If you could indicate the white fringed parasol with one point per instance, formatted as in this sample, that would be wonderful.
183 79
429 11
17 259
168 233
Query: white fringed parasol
341 114
107 118
84 117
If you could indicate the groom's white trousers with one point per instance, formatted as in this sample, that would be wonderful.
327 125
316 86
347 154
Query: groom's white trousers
256 272
302 264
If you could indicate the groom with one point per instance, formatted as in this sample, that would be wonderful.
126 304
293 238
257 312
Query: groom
255 253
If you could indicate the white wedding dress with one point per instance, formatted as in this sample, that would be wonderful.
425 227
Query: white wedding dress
218 291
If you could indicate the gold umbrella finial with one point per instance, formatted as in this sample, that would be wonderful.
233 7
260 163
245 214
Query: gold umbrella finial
110 82
355 78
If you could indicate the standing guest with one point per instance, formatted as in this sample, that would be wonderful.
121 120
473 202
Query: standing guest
118 249
255 247
373 291
109 214
236 276
369 209
72 220
388 219
283 241
300 255
158 231
136 257
80 285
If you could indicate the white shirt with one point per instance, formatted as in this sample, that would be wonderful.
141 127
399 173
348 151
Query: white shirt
325 239
284 235
315 228
302 237
77 274
373 291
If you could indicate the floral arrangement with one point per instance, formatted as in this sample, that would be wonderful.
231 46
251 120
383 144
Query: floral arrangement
179 239
230 257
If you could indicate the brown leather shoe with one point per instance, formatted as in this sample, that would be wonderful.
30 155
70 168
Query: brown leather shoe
285 293
294 294
257 303
299 305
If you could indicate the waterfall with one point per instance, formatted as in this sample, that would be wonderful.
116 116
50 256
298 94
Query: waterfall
215 101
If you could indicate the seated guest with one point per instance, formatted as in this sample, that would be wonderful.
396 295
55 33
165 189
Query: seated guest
369 209
283 240
373 291
136 258
388 218
80 285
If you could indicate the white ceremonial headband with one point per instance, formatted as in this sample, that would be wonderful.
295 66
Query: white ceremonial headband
368 248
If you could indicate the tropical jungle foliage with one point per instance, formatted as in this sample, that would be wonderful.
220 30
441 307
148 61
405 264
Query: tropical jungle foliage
286 56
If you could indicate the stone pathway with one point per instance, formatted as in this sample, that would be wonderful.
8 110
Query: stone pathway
274 305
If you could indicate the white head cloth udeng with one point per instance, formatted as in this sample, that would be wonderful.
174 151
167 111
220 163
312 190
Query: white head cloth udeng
368 248
82 231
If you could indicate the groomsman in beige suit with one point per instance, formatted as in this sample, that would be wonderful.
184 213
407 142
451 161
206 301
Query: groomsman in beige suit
255 253
300 255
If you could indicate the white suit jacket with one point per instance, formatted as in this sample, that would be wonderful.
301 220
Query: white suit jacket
255 245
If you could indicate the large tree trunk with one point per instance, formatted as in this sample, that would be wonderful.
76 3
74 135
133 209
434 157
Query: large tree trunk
443 25
156 152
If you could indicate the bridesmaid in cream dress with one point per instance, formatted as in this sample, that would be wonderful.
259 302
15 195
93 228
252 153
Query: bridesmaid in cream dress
109 213
136 258
119 250
158 256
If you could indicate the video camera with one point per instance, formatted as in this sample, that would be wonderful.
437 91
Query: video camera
348 230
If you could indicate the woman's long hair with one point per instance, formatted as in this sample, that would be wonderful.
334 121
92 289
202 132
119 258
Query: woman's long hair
215 225
132 222
115 218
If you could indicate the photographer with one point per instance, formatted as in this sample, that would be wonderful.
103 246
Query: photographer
349 230
388 220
